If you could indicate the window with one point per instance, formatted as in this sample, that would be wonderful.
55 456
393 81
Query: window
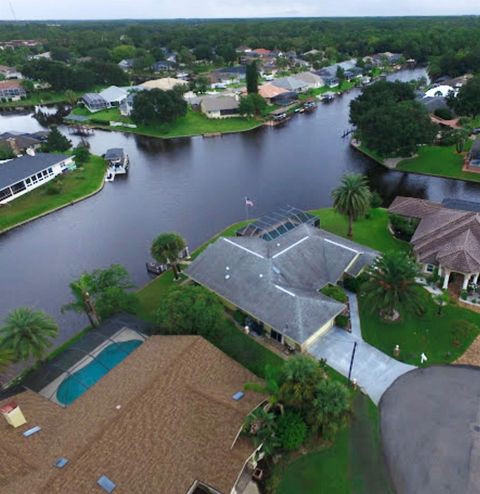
276 336
429 268
44 173
28 181
39 175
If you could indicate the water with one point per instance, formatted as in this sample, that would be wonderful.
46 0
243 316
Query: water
194 186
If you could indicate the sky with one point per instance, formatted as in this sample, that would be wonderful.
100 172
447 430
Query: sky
164 9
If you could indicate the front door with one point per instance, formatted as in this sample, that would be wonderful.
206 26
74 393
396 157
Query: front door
276 336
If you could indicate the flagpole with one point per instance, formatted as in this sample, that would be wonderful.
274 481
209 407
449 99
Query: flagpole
246 209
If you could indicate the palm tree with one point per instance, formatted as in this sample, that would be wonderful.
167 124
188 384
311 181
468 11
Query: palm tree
83 302
442 299
352 198
330 408
6 357
261 425
166 249
269 386
391 285
27 333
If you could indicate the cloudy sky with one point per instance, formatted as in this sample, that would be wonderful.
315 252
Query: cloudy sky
148 9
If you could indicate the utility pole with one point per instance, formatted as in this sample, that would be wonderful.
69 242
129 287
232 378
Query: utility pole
351 362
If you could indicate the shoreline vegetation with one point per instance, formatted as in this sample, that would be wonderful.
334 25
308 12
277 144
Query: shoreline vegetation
75 186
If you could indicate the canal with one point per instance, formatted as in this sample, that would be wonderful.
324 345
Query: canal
195 186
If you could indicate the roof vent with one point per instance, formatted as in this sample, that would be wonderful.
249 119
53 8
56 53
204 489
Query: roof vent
260 275
61 462
13 415
275 270
238 395
106 484
227 276
278 244
228 268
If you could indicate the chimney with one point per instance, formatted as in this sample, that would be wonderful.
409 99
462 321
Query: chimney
13 415
31 151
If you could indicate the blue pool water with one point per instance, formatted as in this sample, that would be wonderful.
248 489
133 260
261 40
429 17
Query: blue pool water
79 382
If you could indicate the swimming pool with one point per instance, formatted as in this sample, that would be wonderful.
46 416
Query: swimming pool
79 382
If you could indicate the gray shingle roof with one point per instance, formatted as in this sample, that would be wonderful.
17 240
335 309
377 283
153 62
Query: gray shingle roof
277 282
19 168
217 103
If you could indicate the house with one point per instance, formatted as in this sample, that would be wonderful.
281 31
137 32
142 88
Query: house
447 237
274 273
21 175
10 72
285 98
442 91
291 83
19 143
94 102
126 64
113 95
269 91
311 79
167 419
386 58
434 103
219 106
331 70
126 106
165 84
261 52
12 91
229 75
163 66
46 55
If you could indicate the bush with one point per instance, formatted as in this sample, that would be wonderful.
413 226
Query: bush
336 292
341 321
291 431
353 284
464 294
404 228
444 113
376 200
54 188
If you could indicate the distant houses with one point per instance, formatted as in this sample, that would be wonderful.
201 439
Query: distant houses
19 143
12 90
10 72
21 175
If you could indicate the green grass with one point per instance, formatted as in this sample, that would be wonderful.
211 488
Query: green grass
40 98
440 161
76 184
432 334
352 465
372 231
193 123
343 86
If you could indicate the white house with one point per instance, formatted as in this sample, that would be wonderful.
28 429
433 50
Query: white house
21 175
10 72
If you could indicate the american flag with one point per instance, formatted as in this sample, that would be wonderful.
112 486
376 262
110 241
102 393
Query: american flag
248 202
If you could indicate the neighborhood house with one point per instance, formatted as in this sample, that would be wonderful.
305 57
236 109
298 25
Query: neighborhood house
219 106
274 273
12 90
21 175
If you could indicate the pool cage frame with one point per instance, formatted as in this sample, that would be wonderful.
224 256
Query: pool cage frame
275 224
67 362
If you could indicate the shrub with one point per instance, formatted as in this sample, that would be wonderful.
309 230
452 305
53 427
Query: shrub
341 321
376 200
336 292
291 431
464 294
54 188
444 113
404 228
353 284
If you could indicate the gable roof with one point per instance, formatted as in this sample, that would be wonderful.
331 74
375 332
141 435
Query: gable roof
290 83
218 103
448 236
278 282
177 424
270 91
309 77
113 94
17 169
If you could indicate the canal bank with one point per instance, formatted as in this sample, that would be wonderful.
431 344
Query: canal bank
194 186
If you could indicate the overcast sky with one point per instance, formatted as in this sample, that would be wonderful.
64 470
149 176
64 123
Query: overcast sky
150 9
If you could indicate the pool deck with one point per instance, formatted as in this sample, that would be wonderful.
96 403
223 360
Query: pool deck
124 334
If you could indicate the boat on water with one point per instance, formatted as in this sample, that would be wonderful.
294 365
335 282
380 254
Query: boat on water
327 97
309 106
117 163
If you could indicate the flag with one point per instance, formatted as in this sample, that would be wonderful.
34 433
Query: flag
248 202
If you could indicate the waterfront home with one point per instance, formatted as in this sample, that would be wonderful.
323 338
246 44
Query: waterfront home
219 106
126 106
228 75
94 102
12 90
10 72
166 419
19 143
274 273
269 91
110 97
292 84
312 80
21 175
447 237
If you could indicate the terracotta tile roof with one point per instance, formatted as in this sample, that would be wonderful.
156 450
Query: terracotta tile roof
270 91
177 424
450 237
10 84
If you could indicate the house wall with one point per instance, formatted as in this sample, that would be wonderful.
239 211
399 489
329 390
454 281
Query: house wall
40 178
321 331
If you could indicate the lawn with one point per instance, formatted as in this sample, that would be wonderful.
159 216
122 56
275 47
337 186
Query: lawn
438 160
371 231
344 86
193 123
40 98
76 184
352 465
435 335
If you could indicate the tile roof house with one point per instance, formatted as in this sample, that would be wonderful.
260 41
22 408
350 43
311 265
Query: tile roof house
269 91
12 90
446 237
162 421
277 282
21 175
